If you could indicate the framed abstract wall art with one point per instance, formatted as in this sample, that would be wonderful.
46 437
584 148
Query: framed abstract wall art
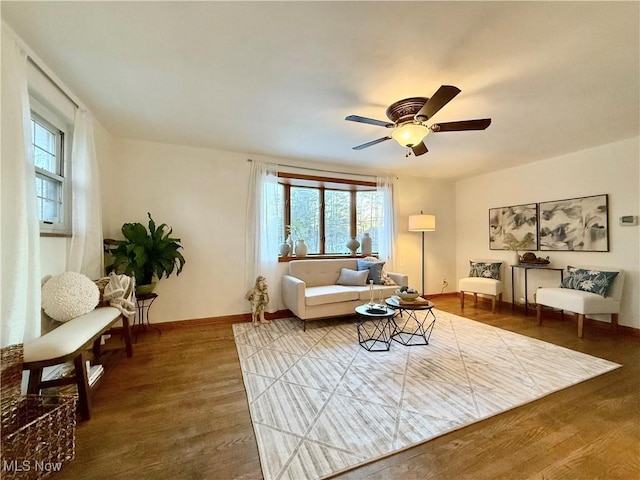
575 224
513 228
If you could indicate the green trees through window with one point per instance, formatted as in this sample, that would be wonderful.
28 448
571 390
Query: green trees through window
327 212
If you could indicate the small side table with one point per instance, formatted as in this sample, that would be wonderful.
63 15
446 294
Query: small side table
374 329
418 334
526 268
145 301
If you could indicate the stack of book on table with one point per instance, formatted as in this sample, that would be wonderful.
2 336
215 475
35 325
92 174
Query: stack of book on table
419 301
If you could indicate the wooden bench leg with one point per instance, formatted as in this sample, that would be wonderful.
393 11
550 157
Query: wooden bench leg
461 299
580 325
493 304
96 349
539 314
126 332
35 379
82 381
614 322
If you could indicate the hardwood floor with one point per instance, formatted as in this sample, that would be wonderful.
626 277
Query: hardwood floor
178 410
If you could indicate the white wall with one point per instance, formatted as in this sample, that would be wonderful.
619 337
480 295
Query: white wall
613 169
432 197
202 194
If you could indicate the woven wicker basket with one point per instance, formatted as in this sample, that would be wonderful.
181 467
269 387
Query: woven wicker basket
38 432
10 371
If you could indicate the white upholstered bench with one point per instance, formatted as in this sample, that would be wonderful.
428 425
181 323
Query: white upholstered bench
482 285
68 343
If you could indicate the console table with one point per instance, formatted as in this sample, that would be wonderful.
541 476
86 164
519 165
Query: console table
526 268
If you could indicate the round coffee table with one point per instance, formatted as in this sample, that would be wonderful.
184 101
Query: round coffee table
413 330
375 327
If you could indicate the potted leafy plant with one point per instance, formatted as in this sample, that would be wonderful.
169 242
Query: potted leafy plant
147 254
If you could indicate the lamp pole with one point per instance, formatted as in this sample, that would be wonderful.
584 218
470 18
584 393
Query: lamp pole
422 223
422 264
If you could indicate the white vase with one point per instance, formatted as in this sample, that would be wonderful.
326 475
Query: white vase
353 245
289 240
366 245
301 248
285 249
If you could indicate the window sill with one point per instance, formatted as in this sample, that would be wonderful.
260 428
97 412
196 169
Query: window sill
55 234
317 256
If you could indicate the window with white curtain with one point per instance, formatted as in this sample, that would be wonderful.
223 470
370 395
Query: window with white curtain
51 141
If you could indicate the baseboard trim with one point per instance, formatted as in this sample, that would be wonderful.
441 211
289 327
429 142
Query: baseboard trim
431 296
222 320
246 317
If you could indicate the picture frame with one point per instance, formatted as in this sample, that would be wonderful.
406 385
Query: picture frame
514 227
575 224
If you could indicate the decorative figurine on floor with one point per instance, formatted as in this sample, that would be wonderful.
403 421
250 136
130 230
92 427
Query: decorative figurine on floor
259 299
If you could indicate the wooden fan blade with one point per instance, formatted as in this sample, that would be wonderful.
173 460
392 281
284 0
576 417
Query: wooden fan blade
480 124
443 95
374 142
419 149
370 121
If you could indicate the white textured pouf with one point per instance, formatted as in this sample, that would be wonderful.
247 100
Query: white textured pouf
69 295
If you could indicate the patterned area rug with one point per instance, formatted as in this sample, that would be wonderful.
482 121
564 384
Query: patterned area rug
320 403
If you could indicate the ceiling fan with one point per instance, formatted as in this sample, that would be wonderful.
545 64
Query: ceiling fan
409 120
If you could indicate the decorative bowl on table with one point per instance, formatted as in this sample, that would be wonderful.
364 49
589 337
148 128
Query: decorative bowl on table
530 258
407 295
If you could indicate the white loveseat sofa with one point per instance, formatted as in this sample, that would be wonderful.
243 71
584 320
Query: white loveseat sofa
310 290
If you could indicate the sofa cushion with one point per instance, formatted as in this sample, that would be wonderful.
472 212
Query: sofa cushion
577 301
375 270
352 277
364 293
322 295
485 286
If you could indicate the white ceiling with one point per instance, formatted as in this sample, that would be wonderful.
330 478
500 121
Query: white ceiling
278 78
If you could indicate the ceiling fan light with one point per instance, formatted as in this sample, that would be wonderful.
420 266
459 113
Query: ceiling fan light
409 134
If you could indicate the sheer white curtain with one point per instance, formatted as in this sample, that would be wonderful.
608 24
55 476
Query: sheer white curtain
85 253
20 238
262 232
387 241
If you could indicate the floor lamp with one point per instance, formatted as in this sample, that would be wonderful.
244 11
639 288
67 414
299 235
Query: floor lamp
422 223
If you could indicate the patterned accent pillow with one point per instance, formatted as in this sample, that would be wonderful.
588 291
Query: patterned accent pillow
485 270
375 270
593 281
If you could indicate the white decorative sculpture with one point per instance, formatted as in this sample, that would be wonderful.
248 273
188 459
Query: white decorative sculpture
258 296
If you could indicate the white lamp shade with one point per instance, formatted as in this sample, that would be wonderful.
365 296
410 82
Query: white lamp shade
409 134
422 223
